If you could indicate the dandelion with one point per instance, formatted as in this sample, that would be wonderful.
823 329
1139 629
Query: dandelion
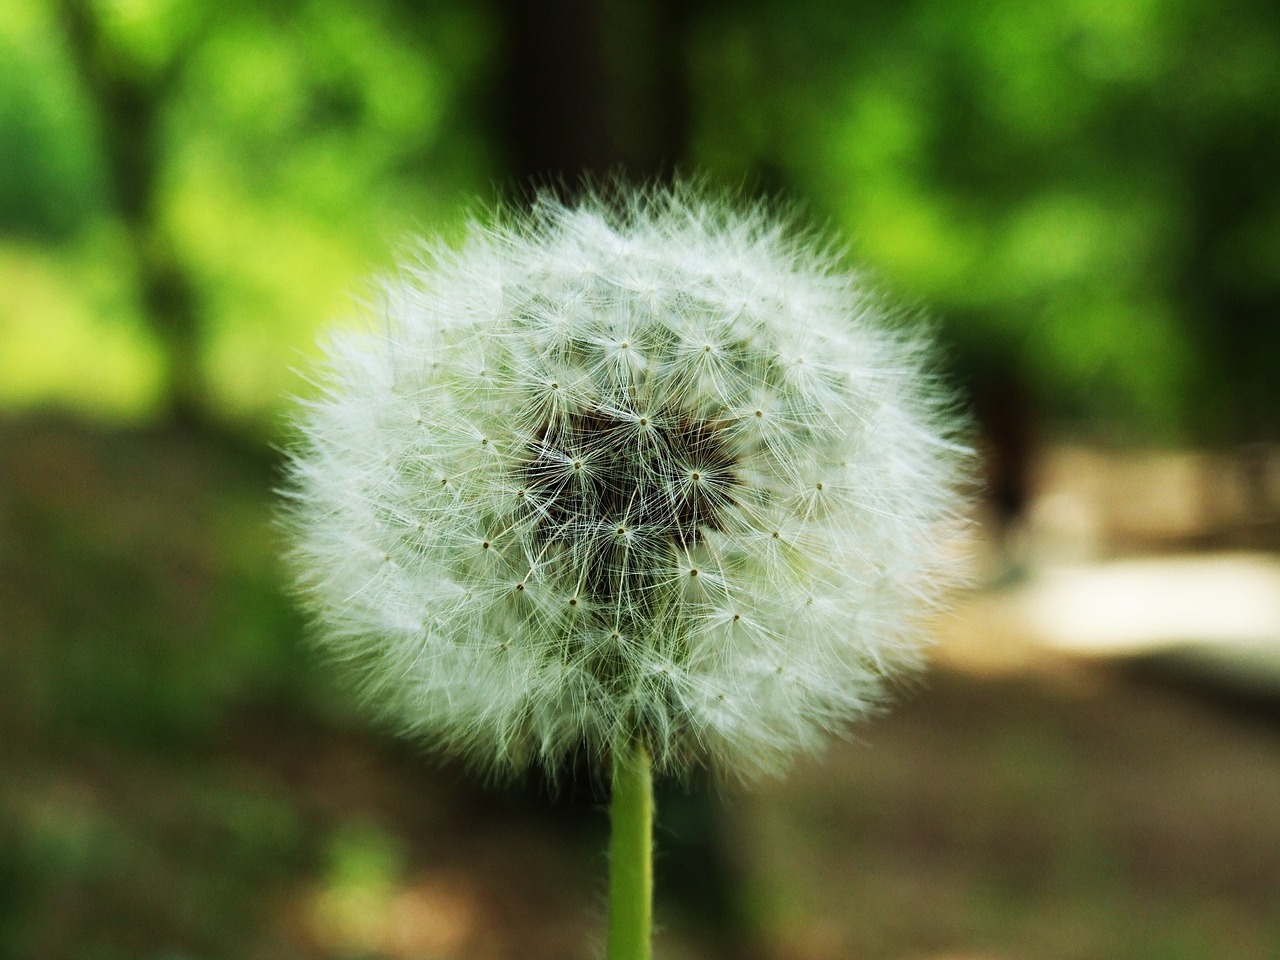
654 479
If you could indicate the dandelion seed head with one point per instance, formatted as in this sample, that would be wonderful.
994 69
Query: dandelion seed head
668 472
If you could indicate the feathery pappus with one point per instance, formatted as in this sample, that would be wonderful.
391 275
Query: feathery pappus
660 468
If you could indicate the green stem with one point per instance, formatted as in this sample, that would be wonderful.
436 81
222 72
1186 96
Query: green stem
631 856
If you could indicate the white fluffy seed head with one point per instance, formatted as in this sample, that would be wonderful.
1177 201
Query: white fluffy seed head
655 469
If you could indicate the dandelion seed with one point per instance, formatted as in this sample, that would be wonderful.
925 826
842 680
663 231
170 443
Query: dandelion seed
659 391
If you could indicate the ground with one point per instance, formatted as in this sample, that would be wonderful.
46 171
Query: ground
181 778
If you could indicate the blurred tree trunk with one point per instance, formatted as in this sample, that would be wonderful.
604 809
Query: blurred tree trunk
1230 178
127 100
592 89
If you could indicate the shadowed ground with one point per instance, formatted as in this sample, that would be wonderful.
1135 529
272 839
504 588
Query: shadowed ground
180 779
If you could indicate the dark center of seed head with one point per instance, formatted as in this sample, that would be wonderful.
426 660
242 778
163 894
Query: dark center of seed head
639 484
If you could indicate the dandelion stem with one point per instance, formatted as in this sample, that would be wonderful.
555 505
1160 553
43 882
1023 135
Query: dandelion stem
631 856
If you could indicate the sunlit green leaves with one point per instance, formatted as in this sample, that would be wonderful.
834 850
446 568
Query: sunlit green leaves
50 181
1086 188
1001 162
298 143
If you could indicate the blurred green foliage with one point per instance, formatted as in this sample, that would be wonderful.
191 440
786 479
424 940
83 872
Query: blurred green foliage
1081 191
298 144
1086 187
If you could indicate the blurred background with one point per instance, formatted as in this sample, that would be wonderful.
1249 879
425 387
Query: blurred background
1082 197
